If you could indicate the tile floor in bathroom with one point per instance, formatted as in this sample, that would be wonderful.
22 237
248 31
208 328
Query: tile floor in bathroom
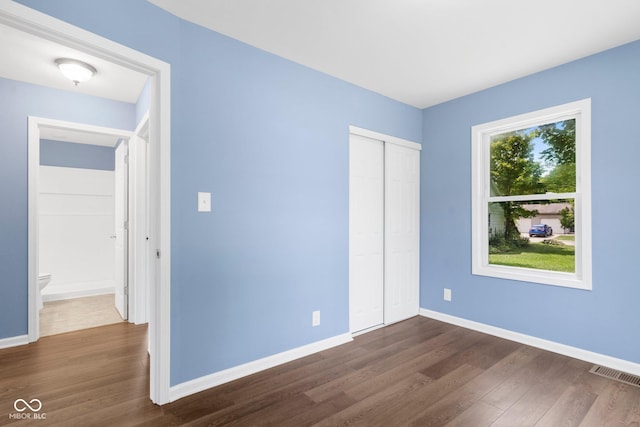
58 317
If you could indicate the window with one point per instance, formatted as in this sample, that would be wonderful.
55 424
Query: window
531 197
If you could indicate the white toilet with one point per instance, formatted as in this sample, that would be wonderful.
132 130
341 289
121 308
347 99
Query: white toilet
43 280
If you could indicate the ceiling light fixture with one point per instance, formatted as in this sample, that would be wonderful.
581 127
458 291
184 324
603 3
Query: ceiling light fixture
74 70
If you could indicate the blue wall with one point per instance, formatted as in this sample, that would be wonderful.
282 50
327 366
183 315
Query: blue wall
269 139
72 155
144 101
17 102
604 320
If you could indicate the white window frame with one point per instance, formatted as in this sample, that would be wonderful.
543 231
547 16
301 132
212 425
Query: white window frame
481 196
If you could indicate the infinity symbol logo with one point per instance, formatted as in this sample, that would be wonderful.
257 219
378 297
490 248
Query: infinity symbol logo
21 405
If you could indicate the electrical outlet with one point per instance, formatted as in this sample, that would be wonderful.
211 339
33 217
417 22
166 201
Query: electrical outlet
315 321
447 294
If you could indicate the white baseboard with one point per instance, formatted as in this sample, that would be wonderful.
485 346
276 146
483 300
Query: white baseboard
566 350
217 378
58 292
14 341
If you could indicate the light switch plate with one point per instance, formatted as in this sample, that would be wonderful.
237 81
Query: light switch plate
204 202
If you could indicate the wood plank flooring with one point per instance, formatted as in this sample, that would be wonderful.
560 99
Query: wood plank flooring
419 372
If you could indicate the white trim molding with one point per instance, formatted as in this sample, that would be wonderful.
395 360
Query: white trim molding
217 378
14 341
384 138
566 350
67 291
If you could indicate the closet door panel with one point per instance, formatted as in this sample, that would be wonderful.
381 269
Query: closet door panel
366 233
402 233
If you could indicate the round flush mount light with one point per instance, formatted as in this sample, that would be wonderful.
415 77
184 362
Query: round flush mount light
74 70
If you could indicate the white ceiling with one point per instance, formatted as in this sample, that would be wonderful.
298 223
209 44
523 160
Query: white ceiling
421 52
30 59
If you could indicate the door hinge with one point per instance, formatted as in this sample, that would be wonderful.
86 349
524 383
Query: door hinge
158 253
126 225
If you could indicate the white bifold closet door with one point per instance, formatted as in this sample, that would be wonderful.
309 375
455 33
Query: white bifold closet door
384 227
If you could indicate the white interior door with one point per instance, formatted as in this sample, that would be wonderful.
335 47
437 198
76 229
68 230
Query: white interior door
402 233
120 219
366 233
138 254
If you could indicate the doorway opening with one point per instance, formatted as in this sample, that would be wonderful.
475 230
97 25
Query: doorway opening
37 24
85 210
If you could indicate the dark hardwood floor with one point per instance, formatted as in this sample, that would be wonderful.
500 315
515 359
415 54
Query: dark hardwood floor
418 372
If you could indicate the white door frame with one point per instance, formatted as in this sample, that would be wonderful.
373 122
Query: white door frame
36 124
41 25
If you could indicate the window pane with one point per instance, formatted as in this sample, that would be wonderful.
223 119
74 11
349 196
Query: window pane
535 160
538 235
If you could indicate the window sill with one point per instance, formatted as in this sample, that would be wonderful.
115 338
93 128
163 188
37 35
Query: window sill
545 277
